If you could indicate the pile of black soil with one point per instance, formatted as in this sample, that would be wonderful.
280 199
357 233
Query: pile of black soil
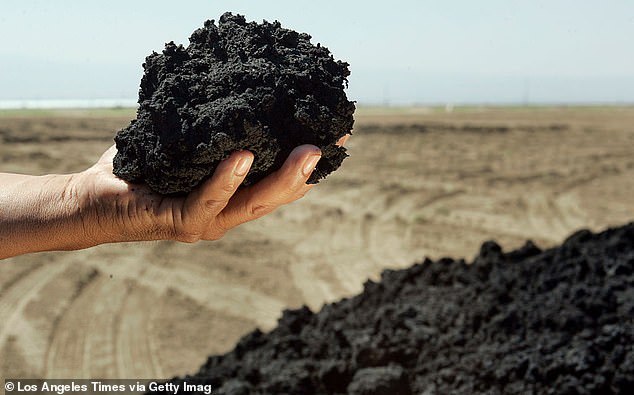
238 85
559 321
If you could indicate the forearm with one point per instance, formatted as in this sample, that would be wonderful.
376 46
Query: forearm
37 214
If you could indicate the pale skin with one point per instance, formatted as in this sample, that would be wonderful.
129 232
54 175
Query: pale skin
81 210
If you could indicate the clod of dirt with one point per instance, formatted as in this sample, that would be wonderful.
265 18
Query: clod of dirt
237 85
559 321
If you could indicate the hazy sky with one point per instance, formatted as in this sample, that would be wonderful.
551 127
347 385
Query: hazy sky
495 51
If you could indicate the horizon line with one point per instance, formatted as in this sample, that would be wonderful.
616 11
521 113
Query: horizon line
61 104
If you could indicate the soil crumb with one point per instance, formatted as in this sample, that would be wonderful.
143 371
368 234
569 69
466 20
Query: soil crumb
238 85
559 321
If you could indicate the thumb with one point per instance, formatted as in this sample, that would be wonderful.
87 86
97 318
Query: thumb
213 195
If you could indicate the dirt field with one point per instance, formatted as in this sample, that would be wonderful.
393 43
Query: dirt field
418 183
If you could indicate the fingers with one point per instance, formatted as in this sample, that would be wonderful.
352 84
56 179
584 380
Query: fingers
218 206
284 186
205 202
342 141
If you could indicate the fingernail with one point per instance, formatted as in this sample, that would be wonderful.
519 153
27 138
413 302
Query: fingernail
243 166
310 164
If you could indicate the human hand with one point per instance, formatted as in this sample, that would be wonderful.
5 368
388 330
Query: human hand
73 211
114 210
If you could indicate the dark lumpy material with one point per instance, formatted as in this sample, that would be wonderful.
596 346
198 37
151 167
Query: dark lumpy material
238 85
559 321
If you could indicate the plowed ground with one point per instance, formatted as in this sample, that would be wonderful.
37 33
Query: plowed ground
418 183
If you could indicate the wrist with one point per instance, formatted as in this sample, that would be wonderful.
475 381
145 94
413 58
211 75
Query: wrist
64 215
108 209
89 211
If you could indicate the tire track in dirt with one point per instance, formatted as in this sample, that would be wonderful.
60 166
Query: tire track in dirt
15 275
571 212
30 342
379 212
107 330
566 199
20 292
97 339
90 275
87 339
322 236
228 298
553 216
386 229
379 233
327 262
575 183
83 343
136 352
312 268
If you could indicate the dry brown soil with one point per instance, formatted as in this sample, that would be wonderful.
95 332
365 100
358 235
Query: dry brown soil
419 182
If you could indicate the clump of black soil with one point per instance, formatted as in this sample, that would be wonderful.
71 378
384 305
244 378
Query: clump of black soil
559 321
238 85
